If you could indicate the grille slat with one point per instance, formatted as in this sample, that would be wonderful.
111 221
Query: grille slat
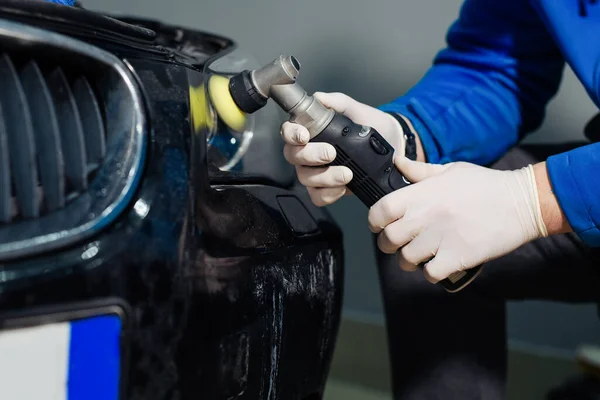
47 135
60 100
5 189
21 144
52 139
71 130
91 118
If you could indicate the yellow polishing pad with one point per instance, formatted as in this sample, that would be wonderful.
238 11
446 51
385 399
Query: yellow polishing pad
201 117
227 110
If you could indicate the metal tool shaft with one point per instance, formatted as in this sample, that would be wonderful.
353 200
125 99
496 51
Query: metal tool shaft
277 80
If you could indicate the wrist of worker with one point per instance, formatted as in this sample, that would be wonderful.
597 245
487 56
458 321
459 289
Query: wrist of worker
537 208
551 212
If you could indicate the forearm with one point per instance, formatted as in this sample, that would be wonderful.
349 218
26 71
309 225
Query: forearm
488 88
552 214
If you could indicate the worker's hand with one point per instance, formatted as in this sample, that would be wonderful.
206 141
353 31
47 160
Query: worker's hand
327 184
456 216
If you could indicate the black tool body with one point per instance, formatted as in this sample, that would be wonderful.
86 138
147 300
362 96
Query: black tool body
371 159
367 154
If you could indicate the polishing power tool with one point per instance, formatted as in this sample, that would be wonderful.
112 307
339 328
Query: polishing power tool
360 148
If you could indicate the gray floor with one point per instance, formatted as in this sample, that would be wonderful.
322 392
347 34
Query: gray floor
340 390
361 372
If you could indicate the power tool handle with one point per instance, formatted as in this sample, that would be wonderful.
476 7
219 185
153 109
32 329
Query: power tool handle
367 154
371 159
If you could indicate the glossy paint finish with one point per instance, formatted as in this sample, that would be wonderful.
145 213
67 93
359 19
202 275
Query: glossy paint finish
228 292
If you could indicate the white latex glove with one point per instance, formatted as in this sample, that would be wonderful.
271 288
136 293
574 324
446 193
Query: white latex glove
326 185
456 216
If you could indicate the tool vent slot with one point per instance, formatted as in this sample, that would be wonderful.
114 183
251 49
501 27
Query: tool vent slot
362 182
52 136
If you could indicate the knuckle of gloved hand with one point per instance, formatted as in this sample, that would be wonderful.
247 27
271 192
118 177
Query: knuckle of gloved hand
405 265
316 196
304 175
465 263
325 154
286 134
332 195
341 192
387 207
298 135
343 176
388 243
409 255
445 212
435 272
292 133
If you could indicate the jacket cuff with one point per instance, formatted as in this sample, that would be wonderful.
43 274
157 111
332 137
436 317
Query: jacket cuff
576 183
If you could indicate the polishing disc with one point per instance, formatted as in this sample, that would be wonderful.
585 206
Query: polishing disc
223 103
201 117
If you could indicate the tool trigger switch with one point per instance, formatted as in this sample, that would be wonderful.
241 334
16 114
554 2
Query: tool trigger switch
377 146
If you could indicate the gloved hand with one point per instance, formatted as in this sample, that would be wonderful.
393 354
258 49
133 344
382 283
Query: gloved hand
456 216
325 184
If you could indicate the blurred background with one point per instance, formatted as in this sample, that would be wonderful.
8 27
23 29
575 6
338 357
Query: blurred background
374 51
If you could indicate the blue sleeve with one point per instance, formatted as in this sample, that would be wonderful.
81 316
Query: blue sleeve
488 87
64 2
575 180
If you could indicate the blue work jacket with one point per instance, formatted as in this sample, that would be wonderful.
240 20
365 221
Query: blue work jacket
491 84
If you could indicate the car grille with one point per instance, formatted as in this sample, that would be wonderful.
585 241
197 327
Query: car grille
72 136
52 138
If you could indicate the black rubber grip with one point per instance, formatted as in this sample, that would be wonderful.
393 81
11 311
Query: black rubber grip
371 159
367 154
245 94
